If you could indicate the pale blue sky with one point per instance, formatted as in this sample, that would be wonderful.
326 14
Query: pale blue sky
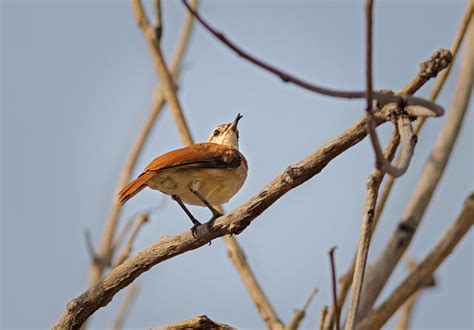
76 85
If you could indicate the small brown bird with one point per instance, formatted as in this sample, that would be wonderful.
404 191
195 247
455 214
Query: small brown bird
205 174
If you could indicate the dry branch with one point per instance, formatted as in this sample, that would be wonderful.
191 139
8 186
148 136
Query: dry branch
127 248
379 272
337 310
201 322
418 277
106 248
382 97
261 301
124 310
300 313
80 308
406 310
433 96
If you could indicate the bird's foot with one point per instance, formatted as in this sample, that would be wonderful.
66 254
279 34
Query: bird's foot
194 228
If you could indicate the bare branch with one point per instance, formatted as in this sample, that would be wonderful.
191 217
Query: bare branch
380 271
261 301
382 97
337 311
417 279
324 314
106 247
406 310
81 308
199 322
433 96
125 307
127 248
300 313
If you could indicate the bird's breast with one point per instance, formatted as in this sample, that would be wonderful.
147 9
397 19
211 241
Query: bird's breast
217 185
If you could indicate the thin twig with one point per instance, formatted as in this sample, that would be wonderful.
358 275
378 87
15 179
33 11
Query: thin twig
127 248
324 314
198 322
406 310
90 246
125 307
259 298
417 279
382 97
300 313
337 311
379 272
106 249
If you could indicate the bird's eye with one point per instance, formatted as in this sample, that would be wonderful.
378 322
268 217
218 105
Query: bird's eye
216 132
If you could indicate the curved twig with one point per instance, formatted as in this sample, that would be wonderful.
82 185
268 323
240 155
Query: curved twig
382 97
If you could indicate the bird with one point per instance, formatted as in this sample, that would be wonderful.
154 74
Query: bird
205 174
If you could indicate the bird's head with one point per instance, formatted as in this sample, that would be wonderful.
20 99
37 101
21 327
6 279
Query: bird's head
227 134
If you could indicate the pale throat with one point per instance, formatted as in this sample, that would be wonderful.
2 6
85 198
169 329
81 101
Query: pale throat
228 138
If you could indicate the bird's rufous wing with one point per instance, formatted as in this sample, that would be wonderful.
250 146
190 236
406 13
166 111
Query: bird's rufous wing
202 155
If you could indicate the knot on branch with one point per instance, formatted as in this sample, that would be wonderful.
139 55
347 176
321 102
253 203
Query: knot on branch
439 61
290 174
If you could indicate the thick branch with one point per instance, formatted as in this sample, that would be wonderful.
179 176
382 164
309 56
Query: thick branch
380 271
81 308
418 277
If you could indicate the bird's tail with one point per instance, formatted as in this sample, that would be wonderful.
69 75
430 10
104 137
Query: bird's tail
134 187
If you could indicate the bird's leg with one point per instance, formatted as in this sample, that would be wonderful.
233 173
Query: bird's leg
215 214
195 222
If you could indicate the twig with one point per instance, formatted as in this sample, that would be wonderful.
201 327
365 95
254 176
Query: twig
127 248
337 311
259 298
406 310
125 307
299 313
380 271
439 83
105 250
417 279
382 97
79 309
324 314
90 247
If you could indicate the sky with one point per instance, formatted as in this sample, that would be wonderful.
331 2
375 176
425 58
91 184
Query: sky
76 85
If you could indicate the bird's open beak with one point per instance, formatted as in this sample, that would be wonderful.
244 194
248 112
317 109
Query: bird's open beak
234 124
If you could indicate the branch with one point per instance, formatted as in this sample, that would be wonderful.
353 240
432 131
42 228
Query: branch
417 279
382 97
406 310
125 307
299 313
468 13
261 301
106 246
380 271
324 314
199 322
358 269
79 309
127 248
